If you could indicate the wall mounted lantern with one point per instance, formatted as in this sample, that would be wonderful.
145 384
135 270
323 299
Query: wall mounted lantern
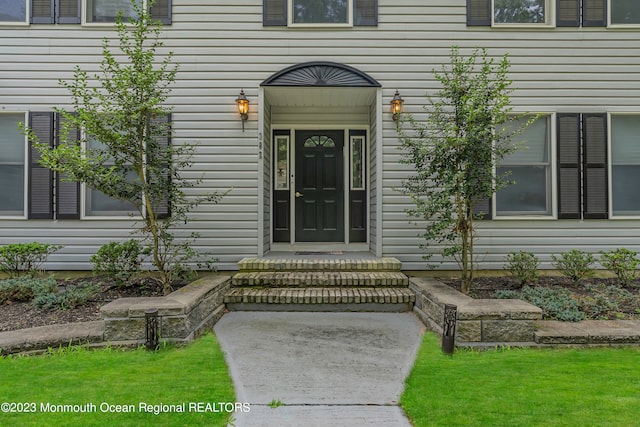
243 107
396 105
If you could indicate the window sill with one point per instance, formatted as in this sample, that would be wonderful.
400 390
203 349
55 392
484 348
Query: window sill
523 26
532 217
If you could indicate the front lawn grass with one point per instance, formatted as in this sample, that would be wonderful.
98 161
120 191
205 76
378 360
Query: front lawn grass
76 376
524 387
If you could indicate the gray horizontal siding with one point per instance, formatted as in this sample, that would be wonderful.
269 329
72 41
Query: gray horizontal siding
222 47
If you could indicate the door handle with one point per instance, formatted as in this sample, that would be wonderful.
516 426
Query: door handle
299 194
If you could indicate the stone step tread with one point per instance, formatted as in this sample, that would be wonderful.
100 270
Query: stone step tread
320 278
288 264
319 296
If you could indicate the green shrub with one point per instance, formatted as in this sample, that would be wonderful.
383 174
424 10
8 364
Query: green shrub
523 266
575 264
556 303
506 294
72 296
16 290
623 263
119 261
25 258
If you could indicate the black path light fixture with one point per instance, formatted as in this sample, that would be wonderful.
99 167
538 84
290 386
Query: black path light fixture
396 106
243 107
152 329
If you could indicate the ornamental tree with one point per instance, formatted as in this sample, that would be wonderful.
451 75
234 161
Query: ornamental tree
124 149
455 150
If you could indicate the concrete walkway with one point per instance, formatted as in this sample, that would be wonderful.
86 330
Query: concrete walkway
328 369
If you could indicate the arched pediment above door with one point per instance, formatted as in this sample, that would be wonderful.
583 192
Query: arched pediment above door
321 74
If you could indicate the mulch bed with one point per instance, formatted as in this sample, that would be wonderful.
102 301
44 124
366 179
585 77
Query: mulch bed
626 307
25 315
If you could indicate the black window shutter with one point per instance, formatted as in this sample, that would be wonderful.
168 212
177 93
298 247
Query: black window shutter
274 13
163 207
479 12
594 139
594 13
42 11
365 12
569 167
68 11
568 13
483 208
40 187
68 192
161 10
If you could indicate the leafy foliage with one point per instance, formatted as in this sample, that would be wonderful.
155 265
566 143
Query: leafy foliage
16 290
523 266
468 130
556 303
70 297
25 258
574 264
623 263
119 261
124 152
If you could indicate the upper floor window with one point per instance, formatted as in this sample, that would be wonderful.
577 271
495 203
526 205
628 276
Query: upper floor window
624 12
13 11
12 165
521 12
320 12
106 11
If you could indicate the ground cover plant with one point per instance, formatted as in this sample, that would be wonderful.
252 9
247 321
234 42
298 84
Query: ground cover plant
523 387
195 373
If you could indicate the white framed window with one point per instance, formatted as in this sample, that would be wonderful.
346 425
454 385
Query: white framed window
522 12
13 170
98 204
625 165
320 12
106 11
624 13
531 170
13 12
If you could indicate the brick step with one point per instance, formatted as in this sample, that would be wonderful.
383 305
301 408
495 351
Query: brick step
284 264
320 296
320 279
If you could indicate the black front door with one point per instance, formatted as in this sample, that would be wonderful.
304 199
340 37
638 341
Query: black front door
319 188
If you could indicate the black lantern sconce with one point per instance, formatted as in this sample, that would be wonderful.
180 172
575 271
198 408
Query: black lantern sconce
396 106
243 107
152 330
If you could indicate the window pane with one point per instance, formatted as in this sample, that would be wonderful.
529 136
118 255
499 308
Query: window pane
11 189
625 12
357 163
529 194
282 163
533 143
11 138
519 11
107 10
12 164
624 187
13 10
99 204
320 11
625 139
